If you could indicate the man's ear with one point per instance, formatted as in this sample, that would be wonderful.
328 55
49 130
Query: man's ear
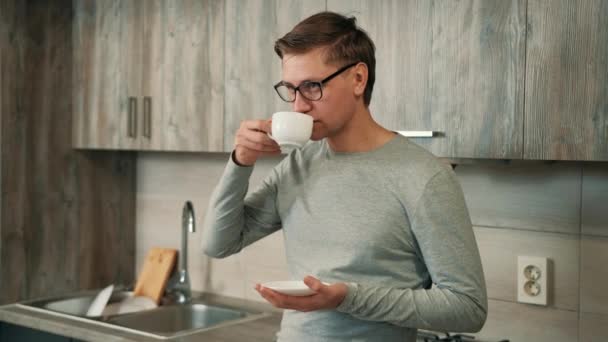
360 78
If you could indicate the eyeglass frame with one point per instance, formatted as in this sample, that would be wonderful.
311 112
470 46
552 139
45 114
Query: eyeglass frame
320 84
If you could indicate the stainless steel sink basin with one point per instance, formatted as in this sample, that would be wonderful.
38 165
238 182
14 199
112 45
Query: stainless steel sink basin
169 320
174 320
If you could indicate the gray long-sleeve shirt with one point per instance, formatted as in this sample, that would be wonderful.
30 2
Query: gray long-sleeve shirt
392 223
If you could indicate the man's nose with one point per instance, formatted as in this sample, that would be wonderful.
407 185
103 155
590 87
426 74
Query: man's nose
301 104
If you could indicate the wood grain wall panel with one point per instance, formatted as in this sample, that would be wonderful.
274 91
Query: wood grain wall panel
4 47
107 254
252 66
523 195
592 327
499 249
524 323
13 72
105 204
38 232
6 16
37 126
12 237
595 199
101 177
64 213
567 80
14 242
594 275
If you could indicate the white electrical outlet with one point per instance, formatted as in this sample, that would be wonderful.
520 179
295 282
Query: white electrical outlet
532 276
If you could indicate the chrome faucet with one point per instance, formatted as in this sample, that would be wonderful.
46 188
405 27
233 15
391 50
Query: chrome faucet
179 285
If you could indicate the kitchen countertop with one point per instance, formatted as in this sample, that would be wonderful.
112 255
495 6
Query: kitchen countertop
262 329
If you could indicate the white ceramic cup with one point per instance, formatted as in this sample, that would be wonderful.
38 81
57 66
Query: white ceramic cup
291 129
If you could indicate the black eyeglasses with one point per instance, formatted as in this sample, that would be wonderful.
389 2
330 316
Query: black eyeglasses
311 90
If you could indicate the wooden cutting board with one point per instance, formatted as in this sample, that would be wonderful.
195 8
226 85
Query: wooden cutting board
153 277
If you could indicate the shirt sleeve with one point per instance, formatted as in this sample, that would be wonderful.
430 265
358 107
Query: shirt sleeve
457 301
235 219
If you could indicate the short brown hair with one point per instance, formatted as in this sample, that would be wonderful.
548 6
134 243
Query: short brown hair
343 40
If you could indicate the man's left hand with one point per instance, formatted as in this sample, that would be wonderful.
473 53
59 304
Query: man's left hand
325 297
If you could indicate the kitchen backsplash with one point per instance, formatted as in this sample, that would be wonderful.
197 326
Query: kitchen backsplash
554 210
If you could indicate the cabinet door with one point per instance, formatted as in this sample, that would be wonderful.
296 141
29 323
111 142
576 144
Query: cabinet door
567 80
252 67
106 76
450 66
183 70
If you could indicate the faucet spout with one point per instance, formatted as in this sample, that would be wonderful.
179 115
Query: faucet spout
188 225
179 286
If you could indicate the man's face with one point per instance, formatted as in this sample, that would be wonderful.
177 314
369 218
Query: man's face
333 111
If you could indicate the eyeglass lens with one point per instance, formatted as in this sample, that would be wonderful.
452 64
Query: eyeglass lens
310 90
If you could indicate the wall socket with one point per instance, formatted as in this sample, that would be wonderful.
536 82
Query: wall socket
532 276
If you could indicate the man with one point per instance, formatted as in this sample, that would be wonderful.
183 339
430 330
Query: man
361 208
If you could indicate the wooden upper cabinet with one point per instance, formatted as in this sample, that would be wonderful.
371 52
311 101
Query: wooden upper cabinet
106 74
567 80
450 66
252 66
183 75
149 75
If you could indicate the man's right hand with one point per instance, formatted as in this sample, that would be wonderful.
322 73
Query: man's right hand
252 141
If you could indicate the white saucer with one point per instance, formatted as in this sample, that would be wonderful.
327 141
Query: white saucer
290 287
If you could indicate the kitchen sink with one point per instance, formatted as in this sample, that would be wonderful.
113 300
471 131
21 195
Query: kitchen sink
166 321
169 320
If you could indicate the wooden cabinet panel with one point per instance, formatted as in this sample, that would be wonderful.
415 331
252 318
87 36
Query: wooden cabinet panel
567 80
252 66
183 74
457 67
477 78
150 69
106 72
449 66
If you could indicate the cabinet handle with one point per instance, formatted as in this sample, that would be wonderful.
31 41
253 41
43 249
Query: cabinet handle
132 122
420 134
147 117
